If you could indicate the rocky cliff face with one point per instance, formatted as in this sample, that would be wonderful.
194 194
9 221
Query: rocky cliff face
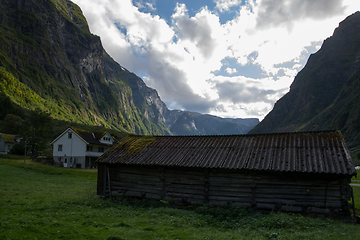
323 95
318 85
47 46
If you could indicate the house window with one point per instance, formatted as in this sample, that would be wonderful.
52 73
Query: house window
101 149
89 148
69 135
60 147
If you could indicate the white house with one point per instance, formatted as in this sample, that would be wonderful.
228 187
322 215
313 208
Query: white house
80 148
6 142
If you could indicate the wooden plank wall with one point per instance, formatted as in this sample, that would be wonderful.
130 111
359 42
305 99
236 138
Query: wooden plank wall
290 192
136 182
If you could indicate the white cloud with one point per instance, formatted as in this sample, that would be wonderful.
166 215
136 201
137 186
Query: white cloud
179 58
225 5
198 30
279 13
231 70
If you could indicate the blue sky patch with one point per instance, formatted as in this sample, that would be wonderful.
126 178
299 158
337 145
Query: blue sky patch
249 70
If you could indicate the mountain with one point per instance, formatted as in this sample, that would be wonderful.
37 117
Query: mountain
50 60
191 123
325 94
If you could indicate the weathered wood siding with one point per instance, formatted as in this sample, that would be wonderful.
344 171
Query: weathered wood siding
294 192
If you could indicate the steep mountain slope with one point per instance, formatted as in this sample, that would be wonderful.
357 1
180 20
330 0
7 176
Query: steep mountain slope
325 94
343 113
50 60
47 52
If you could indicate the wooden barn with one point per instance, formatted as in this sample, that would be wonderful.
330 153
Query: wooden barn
297 172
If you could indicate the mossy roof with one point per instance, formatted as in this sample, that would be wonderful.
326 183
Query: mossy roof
310 152
8 138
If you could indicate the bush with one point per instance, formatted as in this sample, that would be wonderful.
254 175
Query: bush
17 149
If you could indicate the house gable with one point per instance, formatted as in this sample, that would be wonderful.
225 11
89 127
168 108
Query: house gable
107 139
68 144
67 132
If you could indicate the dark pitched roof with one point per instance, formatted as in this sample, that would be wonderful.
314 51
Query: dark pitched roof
311 152
89 136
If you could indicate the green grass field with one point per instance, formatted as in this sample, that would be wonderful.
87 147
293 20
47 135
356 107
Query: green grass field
44 202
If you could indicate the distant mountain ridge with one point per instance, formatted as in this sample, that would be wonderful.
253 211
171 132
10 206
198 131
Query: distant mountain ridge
50 60
192 123
326 92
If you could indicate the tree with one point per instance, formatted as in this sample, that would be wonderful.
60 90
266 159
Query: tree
11 124
8 107
36 130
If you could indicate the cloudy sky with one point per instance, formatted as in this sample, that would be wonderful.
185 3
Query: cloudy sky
230 58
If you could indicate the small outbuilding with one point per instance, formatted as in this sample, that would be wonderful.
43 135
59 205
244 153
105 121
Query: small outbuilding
297 172
7 141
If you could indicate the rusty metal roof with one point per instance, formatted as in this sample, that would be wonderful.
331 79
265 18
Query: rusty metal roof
310 152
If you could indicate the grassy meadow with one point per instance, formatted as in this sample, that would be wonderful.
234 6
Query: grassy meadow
44 202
